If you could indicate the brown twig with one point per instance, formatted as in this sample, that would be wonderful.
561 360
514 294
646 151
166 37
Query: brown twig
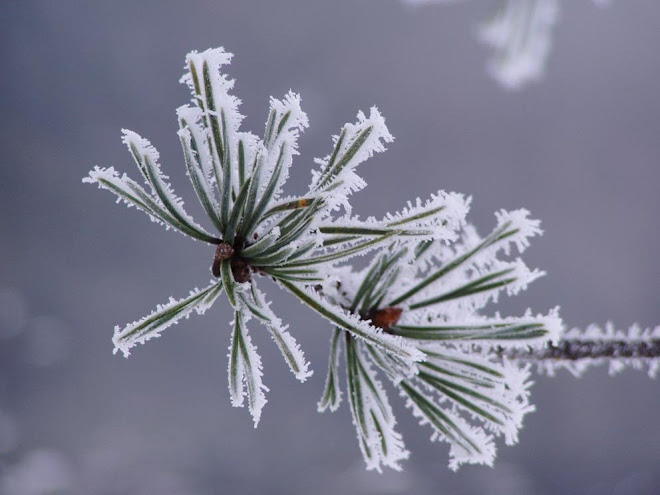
575 349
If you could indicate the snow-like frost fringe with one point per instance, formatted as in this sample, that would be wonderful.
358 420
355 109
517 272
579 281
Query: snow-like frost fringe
373 419
288 346
355 144
164 316
245 370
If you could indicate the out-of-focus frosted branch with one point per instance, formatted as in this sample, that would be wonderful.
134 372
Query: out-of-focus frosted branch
520 34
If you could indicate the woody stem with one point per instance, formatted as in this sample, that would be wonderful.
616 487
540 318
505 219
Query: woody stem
575 349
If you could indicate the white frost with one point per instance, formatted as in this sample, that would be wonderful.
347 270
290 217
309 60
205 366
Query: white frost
163 316
360 141
245 370
288 346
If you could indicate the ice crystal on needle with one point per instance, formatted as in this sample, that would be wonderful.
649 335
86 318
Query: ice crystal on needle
413 315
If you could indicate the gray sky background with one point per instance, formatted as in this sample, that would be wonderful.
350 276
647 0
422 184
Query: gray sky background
580 150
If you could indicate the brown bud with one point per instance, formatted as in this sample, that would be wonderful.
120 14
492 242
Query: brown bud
224 251
241 270
386 317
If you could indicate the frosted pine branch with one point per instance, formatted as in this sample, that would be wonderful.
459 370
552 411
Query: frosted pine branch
466 394
238 179
417 314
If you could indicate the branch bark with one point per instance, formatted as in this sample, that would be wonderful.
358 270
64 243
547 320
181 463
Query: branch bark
576 349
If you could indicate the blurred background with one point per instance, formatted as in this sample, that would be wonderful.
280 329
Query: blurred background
580 149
